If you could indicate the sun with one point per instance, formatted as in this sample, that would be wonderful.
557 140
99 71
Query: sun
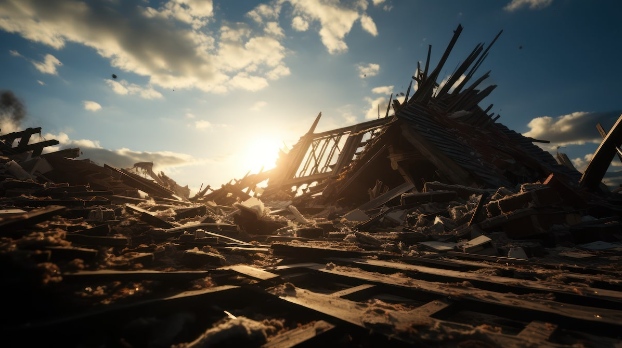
261 152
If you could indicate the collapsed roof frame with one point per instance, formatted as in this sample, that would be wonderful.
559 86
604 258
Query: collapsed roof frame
442 125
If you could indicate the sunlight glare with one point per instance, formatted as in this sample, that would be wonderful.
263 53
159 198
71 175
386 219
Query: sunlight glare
261 152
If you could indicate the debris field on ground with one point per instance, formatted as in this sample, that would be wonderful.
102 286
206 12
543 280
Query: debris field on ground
432 225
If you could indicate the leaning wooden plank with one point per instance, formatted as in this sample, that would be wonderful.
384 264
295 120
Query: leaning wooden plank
149 217
228 239
389 195
603 156
480 203
306 335
603 134
30 218
221 228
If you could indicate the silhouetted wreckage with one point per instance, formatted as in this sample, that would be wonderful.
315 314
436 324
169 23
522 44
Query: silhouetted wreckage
433 225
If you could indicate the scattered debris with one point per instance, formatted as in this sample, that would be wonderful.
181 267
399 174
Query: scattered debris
433 225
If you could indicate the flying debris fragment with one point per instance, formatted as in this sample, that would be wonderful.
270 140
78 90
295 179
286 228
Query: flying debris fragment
114 76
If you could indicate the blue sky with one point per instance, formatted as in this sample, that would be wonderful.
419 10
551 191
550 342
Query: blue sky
208 90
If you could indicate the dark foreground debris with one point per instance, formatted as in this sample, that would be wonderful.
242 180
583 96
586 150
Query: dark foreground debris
434 225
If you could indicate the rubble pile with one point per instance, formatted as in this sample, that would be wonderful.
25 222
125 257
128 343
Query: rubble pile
431 225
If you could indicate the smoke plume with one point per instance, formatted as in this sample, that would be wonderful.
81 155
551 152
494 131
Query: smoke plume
12 112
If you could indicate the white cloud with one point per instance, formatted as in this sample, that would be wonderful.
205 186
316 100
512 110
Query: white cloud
299 24
48 65
118 87
376 104
41 82
581 162
175 45
382 90
258 105
377 2
336 20
248 82
265 12
202 124
368 70
273 29
532 4
91 106
193 12
120 158
190 115
14 53
368 25
576 128
123 87
278 72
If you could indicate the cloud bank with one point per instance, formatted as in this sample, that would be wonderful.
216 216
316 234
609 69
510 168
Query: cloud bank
120 158
181 43
531 4
576 128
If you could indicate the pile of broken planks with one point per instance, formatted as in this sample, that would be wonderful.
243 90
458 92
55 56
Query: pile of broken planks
433 226
449 266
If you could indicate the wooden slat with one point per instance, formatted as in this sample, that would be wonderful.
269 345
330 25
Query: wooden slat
602 297
251 272
30 218
352 290
538 331
575 316
301 335
149 217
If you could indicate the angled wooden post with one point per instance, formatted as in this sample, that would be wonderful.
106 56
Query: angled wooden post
596 169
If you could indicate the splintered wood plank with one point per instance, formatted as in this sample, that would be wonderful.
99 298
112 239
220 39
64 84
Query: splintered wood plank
581 317
392 321
149 217
603 156
30 218
251 272
538 330
352 290
228 239
306 334
597 297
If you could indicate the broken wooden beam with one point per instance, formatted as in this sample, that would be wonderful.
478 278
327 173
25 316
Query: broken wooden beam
596 169
603 134
149 217
30 218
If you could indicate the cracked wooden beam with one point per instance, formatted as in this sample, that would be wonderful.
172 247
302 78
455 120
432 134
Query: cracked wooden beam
596 169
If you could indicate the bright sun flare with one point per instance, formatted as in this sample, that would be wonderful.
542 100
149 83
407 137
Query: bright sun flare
261 152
